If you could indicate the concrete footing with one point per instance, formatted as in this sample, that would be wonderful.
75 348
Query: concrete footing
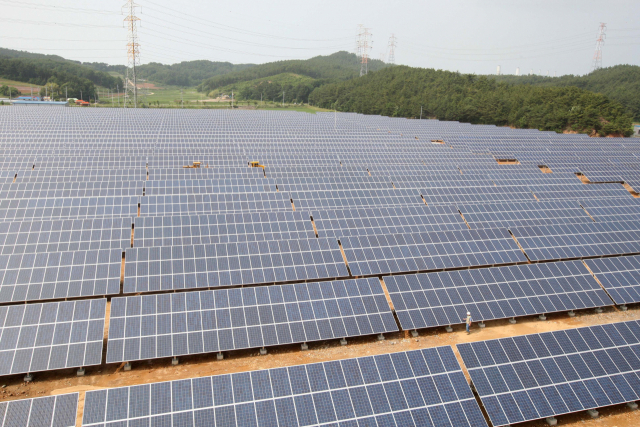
414 333
220 356
127 366
623 307
448 329
542 317
174 361
632 405
552 421
304 346
571 313
513 321
263 351
343 341
593 413
28 378
80 372
598 310
380 337
481 324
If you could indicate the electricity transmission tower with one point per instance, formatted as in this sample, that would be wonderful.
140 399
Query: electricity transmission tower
133 54
393 42
597 56
364 44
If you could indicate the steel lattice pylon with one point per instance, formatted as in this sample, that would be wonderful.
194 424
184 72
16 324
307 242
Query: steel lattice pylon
597 56
133 55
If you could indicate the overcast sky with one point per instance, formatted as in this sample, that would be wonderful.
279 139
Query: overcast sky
555 36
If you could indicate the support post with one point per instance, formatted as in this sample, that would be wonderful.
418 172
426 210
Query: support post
593 413
263 351
623 307
414 333
174 361
127 366
513 321
552 421
220 356
304 346
542 317
80 372
632 405
28 378
571 313
481 324
343 341
448 328
598 310
380 337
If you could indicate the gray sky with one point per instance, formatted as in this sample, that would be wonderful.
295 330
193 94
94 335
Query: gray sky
469 36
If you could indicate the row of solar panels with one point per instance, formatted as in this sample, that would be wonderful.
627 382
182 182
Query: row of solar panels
517 379
46 336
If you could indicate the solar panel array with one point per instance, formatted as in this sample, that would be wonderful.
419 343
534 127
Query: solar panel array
294 252
164 325
542 375
54 411
422 387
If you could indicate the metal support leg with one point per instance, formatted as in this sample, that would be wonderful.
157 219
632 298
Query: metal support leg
28 378
127 366
174 361
80 372
414 333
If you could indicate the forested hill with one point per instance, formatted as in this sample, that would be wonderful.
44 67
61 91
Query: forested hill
620 83
323 69
400 91
40 69
186 73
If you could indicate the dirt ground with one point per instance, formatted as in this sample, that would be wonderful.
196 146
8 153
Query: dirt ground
113 375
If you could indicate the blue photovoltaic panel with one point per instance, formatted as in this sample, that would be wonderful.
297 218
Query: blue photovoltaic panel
444 298
620 277
50 411
150 326
52 275
395 253
229 264
55 335
415 388
542 375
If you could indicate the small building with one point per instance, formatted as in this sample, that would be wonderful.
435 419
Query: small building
636 131
82 103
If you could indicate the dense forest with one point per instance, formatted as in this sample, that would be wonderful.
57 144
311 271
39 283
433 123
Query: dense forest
400 91
69 76
320 70
187 73
294 87
620 83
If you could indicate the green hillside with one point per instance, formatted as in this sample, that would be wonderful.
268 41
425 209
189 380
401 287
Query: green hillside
337 67
186 73
53 70
400 91
620 83
294 86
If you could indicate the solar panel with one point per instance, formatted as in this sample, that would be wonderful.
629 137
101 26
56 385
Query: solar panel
379 254
620 277
542 375
230 264
52 275
421 387
444 298
58 411
55 335
146 327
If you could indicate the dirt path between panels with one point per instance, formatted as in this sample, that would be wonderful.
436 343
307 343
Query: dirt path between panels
113 375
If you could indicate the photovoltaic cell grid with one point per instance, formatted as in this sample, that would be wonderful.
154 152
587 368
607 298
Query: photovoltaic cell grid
620 277
146 327
542 375
50 411
468 195
72 207
56 335
379 254
222 228
196 204
314 200
52 275
48 189
444 298
421 388
18 237
613 209
565 241
387 220
208 186
229 264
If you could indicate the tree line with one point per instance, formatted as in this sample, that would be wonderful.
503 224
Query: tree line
401 91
